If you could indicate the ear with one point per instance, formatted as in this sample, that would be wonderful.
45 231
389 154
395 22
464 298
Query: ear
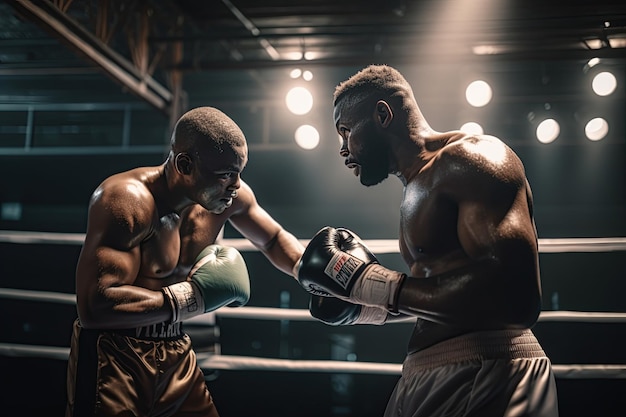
383 113
182 162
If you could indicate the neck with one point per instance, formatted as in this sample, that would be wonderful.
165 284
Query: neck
410 151
172 199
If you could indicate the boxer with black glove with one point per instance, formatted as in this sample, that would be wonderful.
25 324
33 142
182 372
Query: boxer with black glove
337 312
336 262
219 277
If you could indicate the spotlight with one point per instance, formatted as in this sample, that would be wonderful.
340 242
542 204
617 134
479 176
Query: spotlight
548 130
596 129
299 100
472 128
604 83
307 137
590 64
478 93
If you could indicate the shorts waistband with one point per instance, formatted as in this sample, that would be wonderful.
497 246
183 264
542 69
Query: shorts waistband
505 344
157 331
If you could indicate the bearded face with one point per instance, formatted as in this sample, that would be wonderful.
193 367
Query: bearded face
373 159
364 147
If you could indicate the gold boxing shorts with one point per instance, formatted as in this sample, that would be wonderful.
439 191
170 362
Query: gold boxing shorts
148 371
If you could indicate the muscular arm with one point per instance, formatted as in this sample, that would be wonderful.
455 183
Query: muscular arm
110 260
493 282
281 247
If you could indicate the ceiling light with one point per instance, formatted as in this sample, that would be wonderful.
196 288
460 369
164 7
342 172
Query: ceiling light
472 128
299 100
478 93
295 73
596 129
604 83
307 137
548 130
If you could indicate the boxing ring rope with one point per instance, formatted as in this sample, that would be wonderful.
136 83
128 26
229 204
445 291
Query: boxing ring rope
209 361
230 362
550 245
271 313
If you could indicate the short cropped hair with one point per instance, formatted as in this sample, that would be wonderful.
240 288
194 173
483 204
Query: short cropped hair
375 79
202 125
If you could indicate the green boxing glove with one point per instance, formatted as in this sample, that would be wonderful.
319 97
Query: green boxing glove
219 277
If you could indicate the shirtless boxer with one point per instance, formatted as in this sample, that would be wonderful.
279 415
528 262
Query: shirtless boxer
150 261
468 236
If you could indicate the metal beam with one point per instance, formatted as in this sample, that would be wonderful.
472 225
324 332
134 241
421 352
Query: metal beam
408 57
49 17
273 53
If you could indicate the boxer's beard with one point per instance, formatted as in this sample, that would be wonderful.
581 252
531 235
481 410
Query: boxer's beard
374 163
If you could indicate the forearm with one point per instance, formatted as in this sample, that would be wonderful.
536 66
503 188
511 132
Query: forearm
483 293
124 306
478 295
283 251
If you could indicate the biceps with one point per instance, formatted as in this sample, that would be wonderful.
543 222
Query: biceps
107 267
479 229
491 231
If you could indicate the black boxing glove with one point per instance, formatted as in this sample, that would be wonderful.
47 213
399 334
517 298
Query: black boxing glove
337 262
336 312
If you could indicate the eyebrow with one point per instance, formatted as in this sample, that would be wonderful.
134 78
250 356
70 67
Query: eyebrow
231 168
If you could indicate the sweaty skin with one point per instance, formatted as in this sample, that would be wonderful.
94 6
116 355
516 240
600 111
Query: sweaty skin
467 232
145 228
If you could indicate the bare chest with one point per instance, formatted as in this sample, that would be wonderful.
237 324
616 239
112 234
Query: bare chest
428 224
161 251
168 254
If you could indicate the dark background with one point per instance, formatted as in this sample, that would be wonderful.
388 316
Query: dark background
65 126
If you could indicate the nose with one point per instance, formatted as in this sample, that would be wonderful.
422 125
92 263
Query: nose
343 151
236 182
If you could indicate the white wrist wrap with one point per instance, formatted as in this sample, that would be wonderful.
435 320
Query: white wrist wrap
377 286
185 299
371 315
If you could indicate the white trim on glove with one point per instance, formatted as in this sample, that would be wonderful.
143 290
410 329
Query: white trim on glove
185 299
371 315
377 286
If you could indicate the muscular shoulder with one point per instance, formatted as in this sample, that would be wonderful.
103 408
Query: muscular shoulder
124 193
483 158
123 204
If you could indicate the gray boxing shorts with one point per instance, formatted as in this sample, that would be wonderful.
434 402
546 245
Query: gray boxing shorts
495 373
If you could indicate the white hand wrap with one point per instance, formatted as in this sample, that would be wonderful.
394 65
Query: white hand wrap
371 315
377 286
185 299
